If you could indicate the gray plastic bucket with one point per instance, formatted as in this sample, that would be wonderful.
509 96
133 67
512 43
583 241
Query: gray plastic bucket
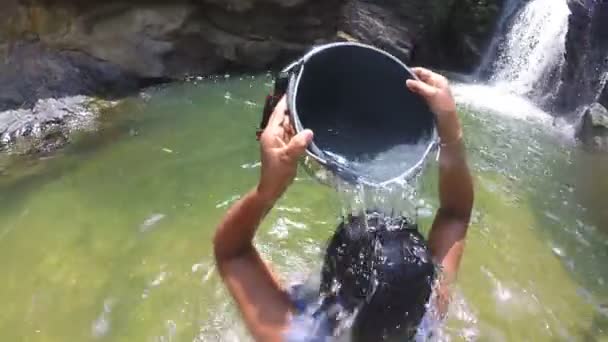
354 98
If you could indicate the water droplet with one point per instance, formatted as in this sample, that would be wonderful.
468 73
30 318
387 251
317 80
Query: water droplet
551 216
159 279
558 251
227 202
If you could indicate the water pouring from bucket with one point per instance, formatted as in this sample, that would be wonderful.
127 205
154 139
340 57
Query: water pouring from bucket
369 128
379 272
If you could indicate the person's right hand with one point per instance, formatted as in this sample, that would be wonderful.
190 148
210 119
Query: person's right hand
435 89
280 148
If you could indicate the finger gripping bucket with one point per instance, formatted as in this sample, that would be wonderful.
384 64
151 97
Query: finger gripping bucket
369 128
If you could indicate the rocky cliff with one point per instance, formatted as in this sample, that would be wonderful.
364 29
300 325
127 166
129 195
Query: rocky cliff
460 35
51 48
57 48
54 48
584 73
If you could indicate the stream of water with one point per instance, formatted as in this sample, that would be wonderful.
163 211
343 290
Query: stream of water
527 54
110 239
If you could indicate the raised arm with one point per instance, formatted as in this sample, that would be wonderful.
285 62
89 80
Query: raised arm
447 236
264 305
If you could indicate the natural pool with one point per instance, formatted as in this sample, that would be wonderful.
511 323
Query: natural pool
110 239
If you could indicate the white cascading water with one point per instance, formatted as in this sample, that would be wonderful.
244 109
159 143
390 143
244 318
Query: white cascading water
532 49
534 46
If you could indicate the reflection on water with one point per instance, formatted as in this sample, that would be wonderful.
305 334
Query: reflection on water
111 239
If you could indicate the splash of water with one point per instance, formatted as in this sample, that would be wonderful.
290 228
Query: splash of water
387 181
534 47
395 199
499 101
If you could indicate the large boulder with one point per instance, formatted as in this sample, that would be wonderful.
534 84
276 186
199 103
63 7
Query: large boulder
584 72
593 128
462 34
32 71
50 48
393 25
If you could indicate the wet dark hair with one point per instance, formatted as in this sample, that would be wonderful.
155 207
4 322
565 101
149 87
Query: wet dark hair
378 269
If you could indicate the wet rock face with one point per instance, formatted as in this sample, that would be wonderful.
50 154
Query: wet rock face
593 129
584 73
449 34
52 47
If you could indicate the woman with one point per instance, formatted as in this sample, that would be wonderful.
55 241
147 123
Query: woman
378 274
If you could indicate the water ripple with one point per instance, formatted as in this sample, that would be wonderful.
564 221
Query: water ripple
101 325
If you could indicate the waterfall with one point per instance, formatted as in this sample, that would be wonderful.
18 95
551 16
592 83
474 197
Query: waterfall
509 10
533 48
522 70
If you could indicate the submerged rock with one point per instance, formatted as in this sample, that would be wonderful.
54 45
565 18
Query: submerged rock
47 126
593 129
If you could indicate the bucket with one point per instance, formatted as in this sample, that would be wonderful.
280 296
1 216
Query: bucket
368 127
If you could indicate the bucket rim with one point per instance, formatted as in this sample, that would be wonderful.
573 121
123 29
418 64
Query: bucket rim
295 71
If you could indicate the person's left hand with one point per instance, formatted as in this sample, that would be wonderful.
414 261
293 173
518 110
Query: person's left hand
280 149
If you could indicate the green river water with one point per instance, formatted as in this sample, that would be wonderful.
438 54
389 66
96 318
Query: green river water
110 239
